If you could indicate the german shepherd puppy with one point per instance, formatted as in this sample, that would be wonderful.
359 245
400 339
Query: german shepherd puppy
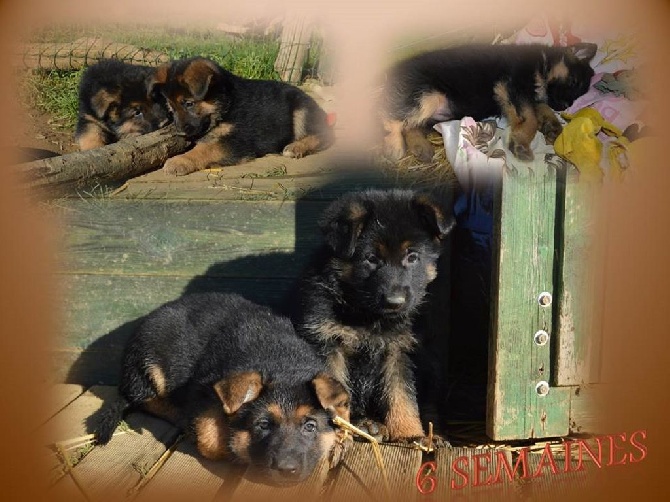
234 118
360 293
239 377
525 83
115 102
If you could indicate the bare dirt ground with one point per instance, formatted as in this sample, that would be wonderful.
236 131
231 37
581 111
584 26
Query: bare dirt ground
38 134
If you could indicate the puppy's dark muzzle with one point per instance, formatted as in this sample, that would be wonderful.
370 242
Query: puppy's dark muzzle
286 471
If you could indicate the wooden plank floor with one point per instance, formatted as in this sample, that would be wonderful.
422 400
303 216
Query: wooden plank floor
151 460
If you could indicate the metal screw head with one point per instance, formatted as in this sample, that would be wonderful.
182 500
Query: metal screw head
541 337
542 388
544 299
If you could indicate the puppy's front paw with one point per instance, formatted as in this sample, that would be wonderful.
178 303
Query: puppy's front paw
179 166
520 150
437 442
375 429
295 150
551 130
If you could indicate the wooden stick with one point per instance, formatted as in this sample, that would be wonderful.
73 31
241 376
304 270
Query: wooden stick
115 162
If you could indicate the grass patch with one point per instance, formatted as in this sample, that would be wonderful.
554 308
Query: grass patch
55 92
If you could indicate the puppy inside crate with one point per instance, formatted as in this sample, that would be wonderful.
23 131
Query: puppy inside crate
360 295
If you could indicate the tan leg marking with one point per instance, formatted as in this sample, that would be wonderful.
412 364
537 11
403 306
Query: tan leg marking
549 125
402 419
523 123
157 378
202 155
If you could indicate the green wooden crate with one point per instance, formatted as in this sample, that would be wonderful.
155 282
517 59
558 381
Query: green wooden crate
545 336
123 257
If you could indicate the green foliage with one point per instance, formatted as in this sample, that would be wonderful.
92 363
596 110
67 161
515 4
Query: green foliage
55 92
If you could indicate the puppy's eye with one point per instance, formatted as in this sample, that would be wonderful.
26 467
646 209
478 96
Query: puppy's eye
137 112
189 103
263 424
309 427
412 257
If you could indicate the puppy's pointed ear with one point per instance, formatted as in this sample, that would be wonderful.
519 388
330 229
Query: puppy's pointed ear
341 225
237 389
103 102
199 76
332 395
584 51
433 216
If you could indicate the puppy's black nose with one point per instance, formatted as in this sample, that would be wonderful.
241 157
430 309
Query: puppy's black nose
287 468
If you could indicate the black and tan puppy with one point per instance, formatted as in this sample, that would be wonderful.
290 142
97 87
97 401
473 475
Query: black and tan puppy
525 83
359 296
239 377
234 118
115 102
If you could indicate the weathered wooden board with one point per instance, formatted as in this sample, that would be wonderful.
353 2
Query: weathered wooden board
59 396
114 471
358 476
252 489
523 269
188 238
581 283
586 403
322 176
187 476
66 489
71 422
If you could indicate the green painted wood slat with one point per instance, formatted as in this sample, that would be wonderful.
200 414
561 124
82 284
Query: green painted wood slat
523 268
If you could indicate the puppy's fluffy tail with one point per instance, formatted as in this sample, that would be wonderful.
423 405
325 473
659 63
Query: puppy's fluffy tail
109 418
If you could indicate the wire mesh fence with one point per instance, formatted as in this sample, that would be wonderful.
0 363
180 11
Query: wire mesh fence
294 50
